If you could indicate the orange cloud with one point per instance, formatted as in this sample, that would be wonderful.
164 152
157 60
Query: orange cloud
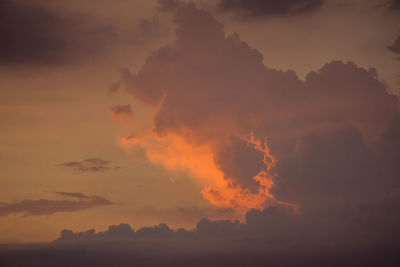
174 153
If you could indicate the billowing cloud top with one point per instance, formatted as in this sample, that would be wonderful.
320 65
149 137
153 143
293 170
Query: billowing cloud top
256 135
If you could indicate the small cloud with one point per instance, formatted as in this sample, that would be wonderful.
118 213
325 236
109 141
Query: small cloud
395 47
122 112
37 207
114 88
90 165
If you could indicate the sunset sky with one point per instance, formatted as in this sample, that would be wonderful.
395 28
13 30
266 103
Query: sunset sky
146 112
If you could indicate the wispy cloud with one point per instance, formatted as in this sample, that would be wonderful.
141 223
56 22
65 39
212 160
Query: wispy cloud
122 112
90 165
37 207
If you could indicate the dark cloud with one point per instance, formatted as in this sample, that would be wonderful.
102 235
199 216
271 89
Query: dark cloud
90 165
395 47
376 221
271 236
393 5
169 5
38 207
32 34
188 215
263 8
219 228
121 232
122 112
240 162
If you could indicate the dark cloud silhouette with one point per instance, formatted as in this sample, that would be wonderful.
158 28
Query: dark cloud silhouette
38 207
273 221
395 47
219 228
35 35
122 112
90 165
393 5
123 231
263 8
271 236
240 163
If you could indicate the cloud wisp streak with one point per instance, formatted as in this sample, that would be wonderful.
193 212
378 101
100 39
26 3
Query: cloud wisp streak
95 165
40 207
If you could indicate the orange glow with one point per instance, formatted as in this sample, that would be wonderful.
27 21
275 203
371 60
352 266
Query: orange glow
174 153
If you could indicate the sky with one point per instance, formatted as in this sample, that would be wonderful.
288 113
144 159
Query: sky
213 116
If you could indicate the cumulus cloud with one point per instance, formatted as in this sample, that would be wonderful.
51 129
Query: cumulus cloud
269 236
123 231
122 112
375 220
90 165
38 207
263 8
258 135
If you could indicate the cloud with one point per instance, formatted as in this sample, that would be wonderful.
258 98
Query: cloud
114 88
122 112
264 8
122 231
256 136
35 35
378 221
395 47
393 5
147 30
169 5
39 207
241 162
271 235
90 165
